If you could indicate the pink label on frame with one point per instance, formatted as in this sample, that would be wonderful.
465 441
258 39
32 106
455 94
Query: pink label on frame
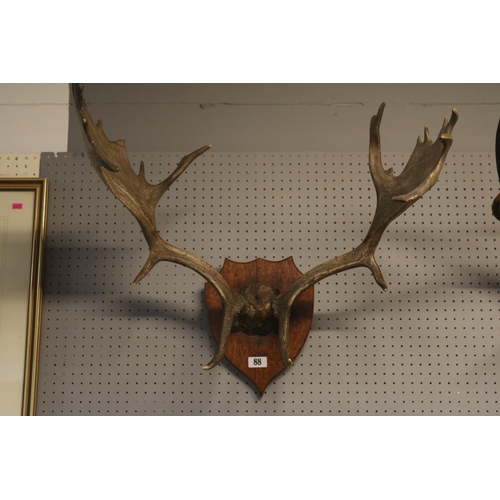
17 206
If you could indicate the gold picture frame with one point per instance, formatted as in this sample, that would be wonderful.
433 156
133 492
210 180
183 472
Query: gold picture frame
23 226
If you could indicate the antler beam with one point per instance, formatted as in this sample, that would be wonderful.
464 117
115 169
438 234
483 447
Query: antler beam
394 196
110 160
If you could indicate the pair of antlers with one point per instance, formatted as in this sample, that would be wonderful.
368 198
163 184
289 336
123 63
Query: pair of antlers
394 196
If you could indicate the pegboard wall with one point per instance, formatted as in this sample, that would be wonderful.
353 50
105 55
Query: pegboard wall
427 346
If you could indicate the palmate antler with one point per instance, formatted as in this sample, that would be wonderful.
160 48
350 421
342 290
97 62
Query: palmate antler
394 196
110 160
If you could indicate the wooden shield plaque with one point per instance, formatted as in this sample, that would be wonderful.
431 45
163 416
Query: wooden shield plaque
257 355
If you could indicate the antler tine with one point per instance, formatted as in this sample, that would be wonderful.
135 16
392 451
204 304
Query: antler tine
394 196
110 160
375 151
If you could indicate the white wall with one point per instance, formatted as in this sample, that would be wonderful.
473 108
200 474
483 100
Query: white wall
287 117
247 117
33 117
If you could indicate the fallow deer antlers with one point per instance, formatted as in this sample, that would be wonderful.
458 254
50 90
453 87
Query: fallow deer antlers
394 196
111 162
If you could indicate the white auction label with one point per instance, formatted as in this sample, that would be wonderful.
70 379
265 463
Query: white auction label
257 362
